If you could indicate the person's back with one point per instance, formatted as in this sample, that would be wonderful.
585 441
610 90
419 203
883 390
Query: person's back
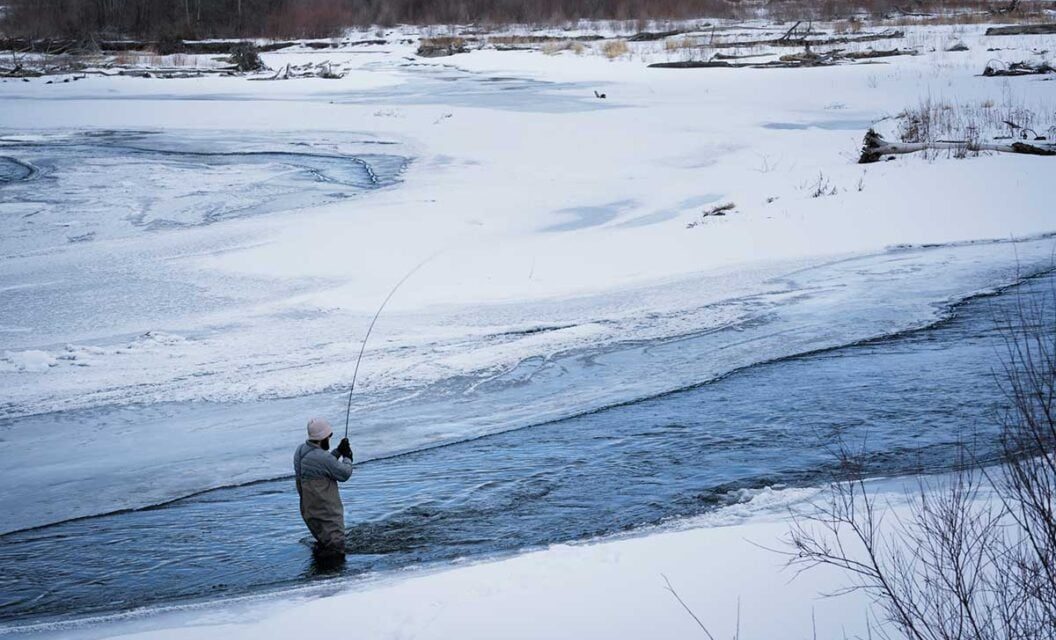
317 472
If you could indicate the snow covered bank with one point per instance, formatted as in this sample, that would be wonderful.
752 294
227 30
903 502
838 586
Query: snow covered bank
602 589
570 273
529 187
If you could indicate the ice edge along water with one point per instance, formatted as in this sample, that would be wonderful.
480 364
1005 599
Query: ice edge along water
911 397
466 170
180 448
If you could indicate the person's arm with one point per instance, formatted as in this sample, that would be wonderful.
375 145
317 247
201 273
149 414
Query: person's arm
339 469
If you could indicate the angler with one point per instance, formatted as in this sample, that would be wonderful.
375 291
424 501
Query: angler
317 471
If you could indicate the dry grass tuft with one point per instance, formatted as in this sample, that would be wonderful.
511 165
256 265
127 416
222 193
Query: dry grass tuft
554 48
851 25
615 48
987 121
153 60
450 42
681 44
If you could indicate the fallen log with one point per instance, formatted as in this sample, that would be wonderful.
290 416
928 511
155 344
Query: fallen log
516 40
808 42
700 64
998 68
722 64
804 59
729 56
1023 30
650 36
913 14
1034 150
788 34
870 54
808 59
281 74
167 73
875 147
19 72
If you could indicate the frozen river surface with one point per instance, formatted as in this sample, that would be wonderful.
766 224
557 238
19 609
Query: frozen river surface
67 188
174 303
910 397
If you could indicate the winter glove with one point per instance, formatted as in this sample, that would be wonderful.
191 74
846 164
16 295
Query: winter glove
345 449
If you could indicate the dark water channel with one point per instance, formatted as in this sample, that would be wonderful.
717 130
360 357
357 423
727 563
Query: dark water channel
911 398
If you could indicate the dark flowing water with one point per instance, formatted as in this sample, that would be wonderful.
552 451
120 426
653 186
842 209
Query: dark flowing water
911 398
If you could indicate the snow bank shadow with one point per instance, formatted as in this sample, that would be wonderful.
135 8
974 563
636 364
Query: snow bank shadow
591 216
827 125
435 84
594 216
109 184
664 215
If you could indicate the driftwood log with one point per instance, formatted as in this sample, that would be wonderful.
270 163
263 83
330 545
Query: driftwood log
1023 30
809 42
519 40
805 59
870 54
651 36
732 56
998 68
875 147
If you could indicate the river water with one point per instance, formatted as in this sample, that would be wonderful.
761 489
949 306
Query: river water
908 399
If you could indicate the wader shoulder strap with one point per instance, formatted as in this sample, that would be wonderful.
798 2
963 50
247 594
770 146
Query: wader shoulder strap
300 463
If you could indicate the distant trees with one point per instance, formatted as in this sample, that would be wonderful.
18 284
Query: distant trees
321 18
176 18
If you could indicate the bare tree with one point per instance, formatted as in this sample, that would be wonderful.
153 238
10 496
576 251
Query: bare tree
975 558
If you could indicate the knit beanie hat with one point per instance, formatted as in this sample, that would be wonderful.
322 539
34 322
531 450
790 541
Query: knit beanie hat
319 429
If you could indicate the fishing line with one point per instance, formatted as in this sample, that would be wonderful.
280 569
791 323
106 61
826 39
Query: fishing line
363 347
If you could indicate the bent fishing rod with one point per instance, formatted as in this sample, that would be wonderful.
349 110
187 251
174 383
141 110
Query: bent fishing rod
363 347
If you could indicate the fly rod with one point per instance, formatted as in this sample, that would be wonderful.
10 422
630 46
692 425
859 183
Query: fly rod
363 347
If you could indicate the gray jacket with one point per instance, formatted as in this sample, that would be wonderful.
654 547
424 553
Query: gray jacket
317 473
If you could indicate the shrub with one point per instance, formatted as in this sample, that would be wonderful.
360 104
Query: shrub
615 48
442 46
975 559
246 57
554 48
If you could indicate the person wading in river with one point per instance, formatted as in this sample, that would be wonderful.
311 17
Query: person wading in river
317 472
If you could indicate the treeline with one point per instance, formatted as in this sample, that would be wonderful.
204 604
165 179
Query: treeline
187 19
